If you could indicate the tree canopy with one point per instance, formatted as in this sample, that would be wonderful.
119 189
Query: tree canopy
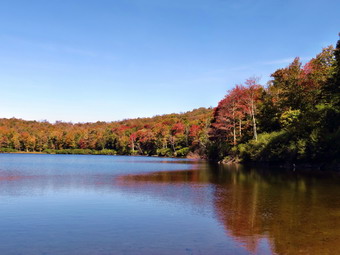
295 118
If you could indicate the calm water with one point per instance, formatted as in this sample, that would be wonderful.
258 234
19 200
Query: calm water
76 204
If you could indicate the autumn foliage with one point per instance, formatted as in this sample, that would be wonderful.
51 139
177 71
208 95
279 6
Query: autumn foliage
167 135
295 118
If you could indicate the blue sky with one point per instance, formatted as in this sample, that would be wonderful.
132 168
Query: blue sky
103 60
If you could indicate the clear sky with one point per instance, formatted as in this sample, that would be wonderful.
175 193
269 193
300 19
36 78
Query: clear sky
90 60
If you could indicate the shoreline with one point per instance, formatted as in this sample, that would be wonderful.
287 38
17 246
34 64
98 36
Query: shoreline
298 166
95 154
323 167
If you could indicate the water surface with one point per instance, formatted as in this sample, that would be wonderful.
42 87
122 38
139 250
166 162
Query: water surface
86 204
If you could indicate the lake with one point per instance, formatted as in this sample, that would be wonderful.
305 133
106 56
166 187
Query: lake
91 204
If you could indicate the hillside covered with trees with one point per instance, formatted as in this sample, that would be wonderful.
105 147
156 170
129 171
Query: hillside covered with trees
166 135
294 118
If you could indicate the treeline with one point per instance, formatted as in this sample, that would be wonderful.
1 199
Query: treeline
166 135
295 118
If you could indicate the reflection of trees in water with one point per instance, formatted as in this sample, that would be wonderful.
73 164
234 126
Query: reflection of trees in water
235 204
190 188
298 214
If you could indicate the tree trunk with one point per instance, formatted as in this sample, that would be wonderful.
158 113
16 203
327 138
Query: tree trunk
187 136
133 146
255 130
172 144
234 125
234 133
240 127
254 120
139 148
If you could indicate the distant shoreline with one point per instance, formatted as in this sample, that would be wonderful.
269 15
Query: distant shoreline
284 165
25 152
93 152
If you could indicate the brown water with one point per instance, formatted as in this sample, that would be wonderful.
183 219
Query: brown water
69 204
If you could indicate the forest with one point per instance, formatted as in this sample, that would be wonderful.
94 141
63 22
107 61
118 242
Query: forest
295 117
171 135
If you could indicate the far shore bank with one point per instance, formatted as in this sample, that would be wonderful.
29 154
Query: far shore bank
294 166
284 165
90 152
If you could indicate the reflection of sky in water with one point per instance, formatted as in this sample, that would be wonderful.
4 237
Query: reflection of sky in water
68 204
90 223
37 164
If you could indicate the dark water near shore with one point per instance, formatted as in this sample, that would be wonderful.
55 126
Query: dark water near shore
83 204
